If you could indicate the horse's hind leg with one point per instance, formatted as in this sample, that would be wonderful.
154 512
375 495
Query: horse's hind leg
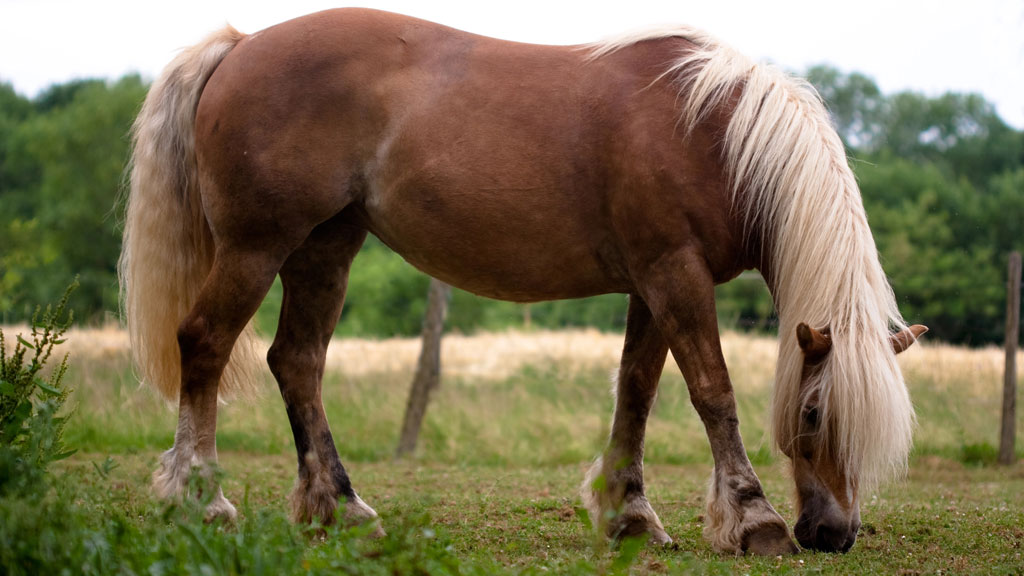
233 291
315 278
620 507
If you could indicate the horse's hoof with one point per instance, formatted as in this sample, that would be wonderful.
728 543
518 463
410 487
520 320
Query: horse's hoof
358 513
640 528
659 538
220 509
378 531
769 540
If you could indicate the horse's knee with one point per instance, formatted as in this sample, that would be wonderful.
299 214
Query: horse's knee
718 410
288 360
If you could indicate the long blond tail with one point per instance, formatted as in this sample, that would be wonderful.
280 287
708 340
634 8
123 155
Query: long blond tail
167 249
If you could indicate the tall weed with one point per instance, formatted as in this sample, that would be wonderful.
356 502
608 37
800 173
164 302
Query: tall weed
31 407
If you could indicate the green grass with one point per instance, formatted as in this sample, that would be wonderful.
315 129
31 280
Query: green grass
473 519
492 488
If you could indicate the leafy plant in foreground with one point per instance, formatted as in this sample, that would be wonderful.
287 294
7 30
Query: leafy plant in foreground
31 422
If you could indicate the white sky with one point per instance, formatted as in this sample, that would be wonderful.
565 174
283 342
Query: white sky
928 46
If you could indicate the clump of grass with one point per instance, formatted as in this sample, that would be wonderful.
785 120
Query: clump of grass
979 454
88 529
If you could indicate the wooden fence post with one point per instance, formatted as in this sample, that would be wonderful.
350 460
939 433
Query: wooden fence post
428 369
1006 438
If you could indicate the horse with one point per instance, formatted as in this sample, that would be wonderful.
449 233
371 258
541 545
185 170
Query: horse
655 164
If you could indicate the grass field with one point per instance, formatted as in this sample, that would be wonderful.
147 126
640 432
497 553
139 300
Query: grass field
492 488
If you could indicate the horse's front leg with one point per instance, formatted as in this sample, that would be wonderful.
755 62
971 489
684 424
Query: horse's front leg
613 490
680 292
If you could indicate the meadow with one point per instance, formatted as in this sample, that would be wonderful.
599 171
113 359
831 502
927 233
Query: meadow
492 487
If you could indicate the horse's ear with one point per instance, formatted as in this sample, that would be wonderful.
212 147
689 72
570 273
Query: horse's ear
902 340
815 344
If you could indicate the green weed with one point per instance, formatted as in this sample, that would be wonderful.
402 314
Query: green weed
31 418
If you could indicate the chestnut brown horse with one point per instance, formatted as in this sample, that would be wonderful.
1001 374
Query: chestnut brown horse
656 165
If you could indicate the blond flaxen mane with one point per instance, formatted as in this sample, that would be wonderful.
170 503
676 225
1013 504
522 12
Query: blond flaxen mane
796 192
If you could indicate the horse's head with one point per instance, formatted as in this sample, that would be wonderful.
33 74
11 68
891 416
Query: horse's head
828 503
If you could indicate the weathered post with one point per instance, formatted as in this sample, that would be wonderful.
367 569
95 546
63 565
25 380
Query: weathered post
428 369
1006 439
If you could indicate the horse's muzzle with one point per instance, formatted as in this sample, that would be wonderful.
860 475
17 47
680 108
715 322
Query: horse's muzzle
825 535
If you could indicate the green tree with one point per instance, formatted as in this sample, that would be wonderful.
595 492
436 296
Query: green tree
944 275
856 104
62 169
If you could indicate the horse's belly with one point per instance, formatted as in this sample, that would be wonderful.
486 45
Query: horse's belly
507 245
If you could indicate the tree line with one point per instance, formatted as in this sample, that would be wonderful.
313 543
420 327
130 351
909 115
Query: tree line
942 180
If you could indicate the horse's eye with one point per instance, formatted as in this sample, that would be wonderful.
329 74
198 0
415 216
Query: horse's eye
811 415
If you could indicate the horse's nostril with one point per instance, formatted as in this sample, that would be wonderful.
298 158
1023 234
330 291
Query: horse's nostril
831 539
852 538
803 532
849 542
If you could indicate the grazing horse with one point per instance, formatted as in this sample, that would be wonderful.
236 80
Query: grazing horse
656 165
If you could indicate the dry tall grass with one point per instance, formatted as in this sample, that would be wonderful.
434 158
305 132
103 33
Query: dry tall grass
505 394
491 355
498 355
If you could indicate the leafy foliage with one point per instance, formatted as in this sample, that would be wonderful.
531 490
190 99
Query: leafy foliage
31 419
62 157
943 189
